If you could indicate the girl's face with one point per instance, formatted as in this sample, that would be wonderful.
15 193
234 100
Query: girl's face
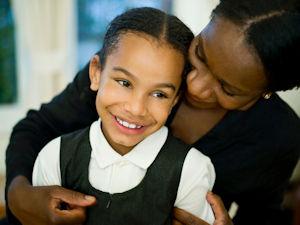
137 88
226 72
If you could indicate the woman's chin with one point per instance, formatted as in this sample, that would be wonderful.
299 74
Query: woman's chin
201 104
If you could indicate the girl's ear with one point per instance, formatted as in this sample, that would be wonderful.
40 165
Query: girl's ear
94 73
174 103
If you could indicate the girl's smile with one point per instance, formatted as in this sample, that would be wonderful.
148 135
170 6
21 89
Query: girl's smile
137 88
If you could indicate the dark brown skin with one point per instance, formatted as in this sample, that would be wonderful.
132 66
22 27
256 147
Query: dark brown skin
51 214
222 218
34 211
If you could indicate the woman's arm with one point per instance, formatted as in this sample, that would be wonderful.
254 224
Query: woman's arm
222 217
72 109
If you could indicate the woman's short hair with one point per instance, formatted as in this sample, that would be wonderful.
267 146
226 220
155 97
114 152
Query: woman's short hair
272 30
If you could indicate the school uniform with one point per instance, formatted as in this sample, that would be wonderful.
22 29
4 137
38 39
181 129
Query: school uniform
140 187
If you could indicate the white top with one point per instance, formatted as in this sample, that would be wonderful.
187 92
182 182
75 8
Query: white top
121 173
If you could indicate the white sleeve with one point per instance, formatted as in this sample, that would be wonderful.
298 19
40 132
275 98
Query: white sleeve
46 170
197 178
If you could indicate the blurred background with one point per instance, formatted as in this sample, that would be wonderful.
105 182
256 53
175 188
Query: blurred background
43 43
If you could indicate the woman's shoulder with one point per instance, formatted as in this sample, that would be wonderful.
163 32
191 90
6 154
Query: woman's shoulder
277 116
272 122
272 114
276 106
268 124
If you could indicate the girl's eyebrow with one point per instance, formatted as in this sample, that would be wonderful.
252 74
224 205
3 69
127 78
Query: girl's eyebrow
132 76
122 70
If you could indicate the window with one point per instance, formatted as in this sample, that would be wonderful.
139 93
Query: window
94 16
8 82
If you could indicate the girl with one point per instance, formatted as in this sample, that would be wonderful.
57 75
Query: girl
127 159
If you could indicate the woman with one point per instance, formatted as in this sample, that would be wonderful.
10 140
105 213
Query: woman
240 59
230 112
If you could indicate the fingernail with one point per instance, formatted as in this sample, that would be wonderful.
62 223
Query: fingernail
89 198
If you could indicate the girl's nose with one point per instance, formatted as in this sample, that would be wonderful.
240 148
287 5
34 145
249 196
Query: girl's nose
136 106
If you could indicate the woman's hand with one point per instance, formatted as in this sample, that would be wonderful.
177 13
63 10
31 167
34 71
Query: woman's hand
51 205
222 217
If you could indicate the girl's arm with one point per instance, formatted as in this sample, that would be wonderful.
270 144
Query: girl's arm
197 178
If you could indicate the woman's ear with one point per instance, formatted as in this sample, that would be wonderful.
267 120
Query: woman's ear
94 73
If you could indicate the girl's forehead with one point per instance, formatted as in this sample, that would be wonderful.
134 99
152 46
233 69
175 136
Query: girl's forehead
136 42
143 57
155 41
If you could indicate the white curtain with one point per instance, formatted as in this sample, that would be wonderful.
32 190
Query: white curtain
46 47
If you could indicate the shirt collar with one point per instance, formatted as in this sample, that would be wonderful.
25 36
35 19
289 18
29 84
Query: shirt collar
142 155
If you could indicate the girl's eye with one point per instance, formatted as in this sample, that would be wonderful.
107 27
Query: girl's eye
160 95
124 83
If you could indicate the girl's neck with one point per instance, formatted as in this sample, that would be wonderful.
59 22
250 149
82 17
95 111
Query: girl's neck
120 149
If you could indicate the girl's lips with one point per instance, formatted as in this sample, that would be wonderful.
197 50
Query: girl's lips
127 123
128 130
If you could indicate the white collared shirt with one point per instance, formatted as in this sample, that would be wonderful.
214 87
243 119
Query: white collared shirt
119 173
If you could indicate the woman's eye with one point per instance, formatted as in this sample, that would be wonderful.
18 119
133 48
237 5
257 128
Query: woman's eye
198 54
226 92
124 83
160 95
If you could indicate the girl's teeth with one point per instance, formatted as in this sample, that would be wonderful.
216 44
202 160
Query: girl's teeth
125 124
132 126
128 125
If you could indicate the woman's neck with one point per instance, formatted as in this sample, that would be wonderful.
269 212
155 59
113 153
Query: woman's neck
190 123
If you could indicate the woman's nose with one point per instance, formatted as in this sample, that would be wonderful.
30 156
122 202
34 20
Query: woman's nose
200 85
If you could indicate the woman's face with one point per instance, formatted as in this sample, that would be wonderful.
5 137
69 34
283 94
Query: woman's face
226 72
